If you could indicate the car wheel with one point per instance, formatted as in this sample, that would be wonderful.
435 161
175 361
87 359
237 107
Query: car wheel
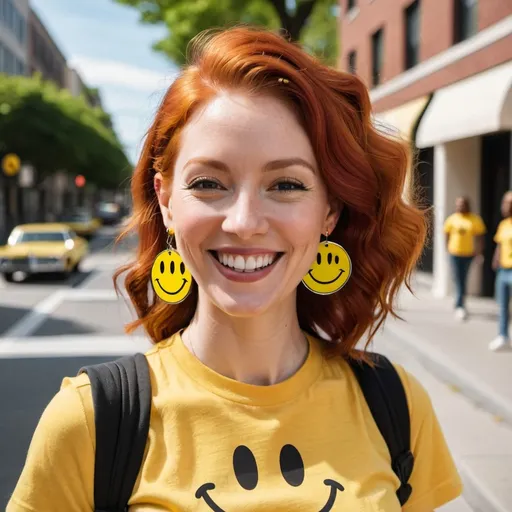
8 276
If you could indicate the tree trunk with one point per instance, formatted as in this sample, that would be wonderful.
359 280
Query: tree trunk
294 24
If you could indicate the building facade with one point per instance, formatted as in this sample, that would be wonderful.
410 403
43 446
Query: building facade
13 36
440 74
44 56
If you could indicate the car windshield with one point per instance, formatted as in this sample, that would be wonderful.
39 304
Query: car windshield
109 207
45 236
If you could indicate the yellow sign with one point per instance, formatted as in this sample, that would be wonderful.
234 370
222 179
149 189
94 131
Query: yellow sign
11 164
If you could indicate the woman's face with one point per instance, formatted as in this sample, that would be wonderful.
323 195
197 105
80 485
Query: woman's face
247 203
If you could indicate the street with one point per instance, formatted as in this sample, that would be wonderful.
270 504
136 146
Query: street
50 327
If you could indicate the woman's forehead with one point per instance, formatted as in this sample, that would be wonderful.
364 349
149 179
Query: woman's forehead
246 121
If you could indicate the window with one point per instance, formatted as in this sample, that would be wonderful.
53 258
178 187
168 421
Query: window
465 18
412 34
351 4
352 58
377 56
33 236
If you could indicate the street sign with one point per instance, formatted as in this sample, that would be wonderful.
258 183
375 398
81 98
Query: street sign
11 164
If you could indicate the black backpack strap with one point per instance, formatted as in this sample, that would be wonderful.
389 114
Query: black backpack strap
386 398
121 392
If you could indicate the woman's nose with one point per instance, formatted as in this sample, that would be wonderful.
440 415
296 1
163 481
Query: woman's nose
246 217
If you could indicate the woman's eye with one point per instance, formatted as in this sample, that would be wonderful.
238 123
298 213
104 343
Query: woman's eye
204 184
289 186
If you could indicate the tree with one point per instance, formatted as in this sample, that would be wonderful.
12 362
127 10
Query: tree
312 22
53 130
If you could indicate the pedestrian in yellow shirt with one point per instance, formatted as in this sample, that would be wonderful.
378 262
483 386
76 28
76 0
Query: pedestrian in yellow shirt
464 239
502 263
272 240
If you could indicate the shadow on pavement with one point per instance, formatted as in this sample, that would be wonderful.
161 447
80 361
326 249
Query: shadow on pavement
52 326
26 387
9 316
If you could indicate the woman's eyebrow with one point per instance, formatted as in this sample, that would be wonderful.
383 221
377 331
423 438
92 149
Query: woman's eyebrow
270 166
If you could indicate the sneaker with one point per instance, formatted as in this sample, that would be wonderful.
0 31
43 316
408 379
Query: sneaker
500 344
461 314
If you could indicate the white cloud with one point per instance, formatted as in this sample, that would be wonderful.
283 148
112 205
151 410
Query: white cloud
100 72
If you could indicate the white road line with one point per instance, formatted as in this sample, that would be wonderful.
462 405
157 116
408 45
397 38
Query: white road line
68 346
40 312
31 321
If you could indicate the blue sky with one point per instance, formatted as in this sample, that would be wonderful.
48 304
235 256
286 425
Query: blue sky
111 50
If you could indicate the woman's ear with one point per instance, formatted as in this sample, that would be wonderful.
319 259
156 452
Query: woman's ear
333 215
163 195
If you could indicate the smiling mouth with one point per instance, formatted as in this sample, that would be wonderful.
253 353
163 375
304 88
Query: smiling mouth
172 293
326 282
202 492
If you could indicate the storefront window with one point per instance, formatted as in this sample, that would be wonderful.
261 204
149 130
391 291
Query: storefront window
466 19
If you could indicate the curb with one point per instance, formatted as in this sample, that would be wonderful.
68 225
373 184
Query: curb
435 361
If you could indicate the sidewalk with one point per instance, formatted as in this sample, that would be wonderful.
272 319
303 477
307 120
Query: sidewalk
457 352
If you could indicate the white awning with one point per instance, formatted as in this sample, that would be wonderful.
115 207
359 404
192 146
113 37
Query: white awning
401 121
474 106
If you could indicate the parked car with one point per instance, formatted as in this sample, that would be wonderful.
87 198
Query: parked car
42 248
108 212
82 223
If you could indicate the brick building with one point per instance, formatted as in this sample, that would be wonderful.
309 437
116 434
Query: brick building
440 74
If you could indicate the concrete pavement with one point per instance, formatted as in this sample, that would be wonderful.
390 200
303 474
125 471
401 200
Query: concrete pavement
469 386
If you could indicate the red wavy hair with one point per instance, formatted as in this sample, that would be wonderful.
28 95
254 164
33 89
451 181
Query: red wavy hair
363 169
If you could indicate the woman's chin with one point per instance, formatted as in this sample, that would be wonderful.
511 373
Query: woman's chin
245 305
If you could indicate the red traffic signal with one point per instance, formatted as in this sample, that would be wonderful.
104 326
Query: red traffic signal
79 181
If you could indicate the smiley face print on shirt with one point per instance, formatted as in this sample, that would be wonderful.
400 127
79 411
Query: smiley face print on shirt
245 467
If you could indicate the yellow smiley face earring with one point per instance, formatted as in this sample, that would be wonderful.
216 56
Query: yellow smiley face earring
170 278
330 271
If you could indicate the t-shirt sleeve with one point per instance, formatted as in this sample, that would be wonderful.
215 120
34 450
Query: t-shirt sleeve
434 479
498 237
58 474
448 225
478 226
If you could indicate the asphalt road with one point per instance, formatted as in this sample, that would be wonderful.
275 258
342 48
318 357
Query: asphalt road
50 328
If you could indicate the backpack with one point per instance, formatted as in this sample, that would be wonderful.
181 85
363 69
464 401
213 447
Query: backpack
121 392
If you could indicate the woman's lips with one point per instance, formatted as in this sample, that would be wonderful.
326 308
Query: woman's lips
244 276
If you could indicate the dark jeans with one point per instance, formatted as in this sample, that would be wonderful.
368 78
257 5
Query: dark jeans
461 266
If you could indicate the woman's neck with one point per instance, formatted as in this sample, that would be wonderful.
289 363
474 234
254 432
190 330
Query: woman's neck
261 350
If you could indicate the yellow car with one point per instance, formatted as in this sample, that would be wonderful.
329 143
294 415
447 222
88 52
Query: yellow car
82 223
38 248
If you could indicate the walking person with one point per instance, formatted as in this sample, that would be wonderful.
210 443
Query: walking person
465 243
502 264
273 238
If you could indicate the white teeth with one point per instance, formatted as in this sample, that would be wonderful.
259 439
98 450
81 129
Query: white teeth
245 264
250 264
239 263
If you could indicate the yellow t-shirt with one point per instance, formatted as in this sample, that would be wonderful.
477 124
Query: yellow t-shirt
462 229
503 237
308 443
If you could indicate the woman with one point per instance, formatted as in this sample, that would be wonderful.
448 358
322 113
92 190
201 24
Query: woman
502 264
257 153
463 228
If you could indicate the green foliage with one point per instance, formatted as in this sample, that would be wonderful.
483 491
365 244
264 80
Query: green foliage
53 130
312 22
